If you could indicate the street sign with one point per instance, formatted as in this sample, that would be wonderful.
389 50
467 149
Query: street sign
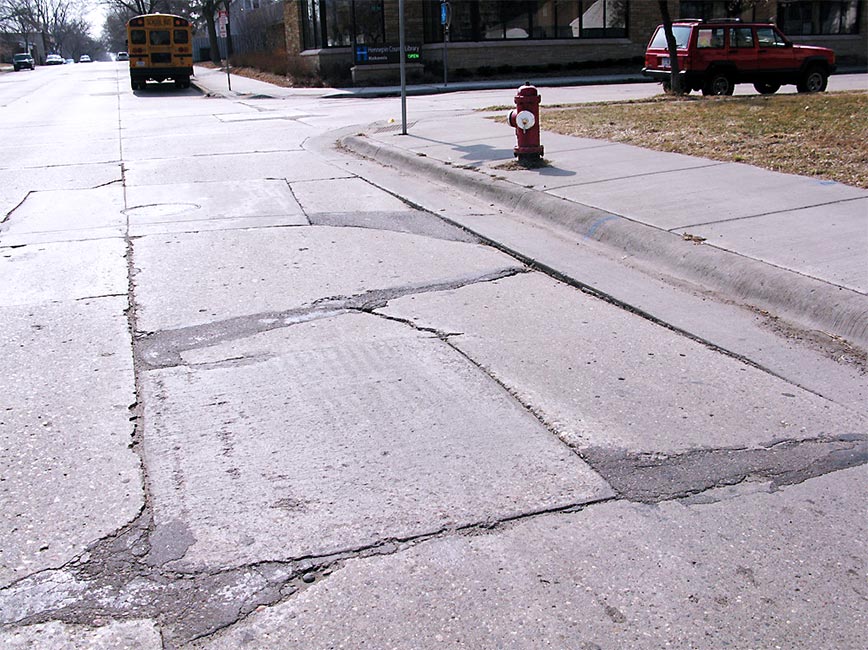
445 14
222 20
388 53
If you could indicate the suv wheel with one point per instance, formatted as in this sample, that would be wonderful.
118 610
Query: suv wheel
718 83
766 88
814 81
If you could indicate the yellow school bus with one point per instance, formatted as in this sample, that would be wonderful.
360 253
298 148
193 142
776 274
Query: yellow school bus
161 48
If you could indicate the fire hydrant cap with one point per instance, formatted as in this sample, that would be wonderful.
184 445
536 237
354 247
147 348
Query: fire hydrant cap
527 90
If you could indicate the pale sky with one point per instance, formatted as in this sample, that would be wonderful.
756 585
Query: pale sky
96 18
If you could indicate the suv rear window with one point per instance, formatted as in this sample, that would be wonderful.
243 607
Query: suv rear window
681 33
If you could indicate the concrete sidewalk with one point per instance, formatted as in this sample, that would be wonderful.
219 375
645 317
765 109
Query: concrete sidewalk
796 247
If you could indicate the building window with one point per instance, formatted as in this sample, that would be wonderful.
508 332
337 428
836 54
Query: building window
705 9
814 17
342 23
498 20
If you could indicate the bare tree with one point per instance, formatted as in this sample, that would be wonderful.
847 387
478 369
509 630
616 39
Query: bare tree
672 46
139 7
203 13
17 17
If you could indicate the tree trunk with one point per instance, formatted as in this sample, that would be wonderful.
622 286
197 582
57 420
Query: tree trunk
675 78
213 43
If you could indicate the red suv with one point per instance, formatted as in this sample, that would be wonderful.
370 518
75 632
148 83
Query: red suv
715 55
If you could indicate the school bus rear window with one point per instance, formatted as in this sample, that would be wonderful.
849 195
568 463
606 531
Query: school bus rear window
137 36
181 36
160 37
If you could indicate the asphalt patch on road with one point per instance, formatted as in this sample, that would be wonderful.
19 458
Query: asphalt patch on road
652 478
411 221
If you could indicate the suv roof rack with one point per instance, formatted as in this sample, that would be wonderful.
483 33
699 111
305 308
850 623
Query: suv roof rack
725 20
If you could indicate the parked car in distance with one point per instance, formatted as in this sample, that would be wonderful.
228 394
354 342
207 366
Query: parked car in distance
22 60
123 56
715 55
84 58
69 60
54 59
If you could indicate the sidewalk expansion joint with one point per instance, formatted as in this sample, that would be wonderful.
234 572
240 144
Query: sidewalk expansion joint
630 176
851 199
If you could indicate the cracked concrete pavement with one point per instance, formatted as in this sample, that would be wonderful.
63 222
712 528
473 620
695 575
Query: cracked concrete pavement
254 395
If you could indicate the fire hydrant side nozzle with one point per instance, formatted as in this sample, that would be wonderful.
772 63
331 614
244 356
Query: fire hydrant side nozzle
525 119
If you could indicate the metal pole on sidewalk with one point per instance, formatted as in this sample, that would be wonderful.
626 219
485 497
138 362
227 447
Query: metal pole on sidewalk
403 67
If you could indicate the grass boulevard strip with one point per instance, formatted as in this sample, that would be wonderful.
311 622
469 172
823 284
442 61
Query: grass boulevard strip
824 135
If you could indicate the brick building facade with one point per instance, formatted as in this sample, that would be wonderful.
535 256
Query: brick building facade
330 36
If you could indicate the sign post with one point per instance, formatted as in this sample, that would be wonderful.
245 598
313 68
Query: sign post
222 32
446 21
403 66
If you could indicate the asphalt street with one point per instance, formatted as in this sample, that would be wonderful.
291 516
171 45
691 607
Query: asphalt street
275 375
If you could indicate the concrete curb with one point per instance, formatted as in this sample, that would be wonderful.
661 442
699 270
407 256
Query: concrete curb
801 299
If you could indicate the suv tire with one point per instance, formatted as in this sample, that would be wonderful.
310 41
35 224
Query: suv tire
814 80
718 83
764 88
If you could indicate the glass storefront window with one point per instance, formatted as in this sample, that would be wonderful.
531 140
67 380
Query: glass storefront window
369 22
341 23
809 17
496 20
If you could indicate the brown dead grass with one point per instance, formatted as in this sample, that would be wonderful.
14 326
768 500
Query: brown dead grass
824 135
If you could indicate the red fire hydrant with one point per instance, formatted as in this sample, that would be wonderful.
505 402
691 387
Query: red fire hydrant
525 118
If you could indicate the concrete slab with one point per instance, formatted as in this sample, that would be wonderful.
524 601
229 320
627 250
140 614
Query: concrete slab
64 215
338 434
16 183
71 147
62 271
217 139
829 242
226 223
116 635
289 165
778 570
604 378
214 200
449 128
181 281
345 195
69 475
602 163
705 195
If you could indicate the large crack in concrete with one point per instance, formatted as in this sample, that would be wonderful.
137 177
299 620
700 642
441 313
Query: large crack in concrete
164 349
114 579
